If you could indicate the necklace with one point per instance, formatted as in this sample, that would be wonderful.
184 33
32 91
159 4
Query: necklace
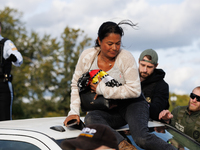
106 61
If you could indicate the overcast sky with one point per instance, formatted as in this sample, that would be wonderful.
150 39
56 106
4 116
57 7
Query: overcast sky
171 27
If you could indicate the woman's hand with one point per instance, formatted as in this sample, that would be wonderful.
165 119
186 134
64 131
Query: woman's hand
70 118
94 86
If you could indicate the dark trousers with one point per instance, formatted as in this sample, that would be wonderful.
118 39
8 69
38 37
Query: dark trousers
135 112
6 99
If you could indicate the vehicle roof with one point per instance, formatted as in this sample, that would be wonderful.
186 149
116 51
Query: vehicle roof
43 125
151 124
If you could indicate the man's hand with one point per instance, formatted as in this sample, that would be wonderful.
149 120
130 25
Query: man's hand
165 115
70 118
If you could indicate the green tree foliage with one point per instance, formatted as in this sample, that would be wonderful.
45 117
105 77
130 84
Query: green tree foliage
14 29
180 100
44 78
70 53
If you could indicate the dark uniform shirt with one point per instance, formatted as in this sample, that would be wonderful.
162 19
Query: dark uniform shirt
185 122
156 92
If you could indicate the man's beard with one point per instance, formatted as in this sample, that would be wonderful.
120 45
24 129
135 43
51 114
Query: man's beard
144 75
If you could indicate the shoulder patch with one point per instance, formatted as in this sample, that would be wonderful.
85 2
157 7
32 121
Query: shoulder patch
196 134
11 44
14 48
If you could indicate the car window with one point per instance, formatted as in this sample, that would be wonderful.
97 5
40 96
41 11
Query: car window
178 139
171 136
17 141
16 145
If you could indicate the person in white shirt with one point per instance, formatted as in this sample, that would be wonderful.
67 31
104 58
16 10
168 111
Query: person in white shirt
131 107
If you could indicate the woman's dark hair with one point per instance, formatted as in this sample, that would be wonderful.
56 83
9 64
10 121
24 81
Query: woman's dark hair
111 27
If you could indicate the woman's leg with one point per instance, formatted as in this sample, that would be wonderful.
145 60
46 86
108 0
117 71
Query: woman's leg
137 116
111 118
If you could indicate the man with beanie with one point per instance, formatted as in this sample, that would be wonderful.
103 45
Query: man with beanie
8 55
154 88
92 137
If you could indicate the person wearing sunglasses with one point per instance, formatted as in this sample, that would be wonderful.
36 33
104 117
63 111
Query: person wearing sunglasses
186 118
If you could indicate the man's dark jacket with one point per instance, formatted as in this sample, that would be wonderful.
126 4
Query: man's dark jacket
156 91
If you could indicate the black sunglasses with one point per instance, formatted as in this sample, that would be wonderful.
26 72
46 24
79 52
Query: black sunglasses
192 96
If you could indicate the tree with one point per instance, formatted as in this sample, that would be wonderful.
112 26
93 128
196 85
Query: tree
14 29
44 78
70 54
180 100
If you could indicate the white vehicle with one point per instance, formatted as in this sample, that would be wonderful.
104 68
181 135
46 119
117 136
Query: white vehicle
48 133
34 134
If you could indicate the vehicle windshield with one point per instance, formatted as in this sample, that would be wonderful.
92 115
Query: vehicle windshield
178 139
174 137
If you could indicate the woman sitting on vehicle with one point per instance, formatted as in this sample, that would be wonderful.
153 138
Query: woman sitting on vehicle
108 56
